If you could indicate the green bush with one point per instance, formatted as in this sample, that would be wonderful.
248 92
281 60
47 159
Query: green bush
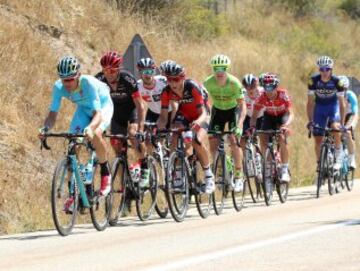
351 7
299 7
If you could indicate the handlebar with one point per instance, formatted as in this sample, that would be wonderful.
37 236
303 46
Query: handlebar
45 145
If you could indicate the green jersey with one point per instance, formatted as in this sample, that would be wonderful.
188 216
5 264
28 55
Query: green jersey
225 97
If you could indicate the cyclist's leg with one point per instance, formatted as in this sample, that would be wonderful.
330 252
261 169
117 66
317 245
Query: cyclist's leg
334 119
216 124
350 140
284 150
246 126
320 120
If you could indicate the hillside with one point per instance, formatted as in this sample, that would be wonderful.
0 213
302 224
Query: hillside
35 34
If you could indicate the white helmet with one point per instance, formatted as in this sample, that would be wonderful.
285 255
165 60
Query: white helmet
325 61
345 81
249 79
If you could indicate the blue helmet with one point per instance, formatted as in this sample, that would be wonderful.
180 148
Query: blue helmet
68 66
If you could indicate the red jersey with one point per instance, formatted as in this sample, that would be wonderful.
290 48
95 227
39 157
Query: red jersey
275 107
193 99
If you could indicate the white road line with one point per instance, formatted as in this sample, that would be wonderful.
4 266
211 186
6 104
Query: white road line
198 259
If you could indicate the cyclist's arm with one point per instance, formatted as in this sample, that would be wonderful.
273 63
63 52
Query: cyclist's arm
310 107
141 112
242 108
164 113
50 119
54 107
290 119
203 115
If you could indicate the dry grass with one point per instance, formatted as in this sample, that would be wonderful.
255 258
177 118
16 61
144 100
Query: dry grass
29 56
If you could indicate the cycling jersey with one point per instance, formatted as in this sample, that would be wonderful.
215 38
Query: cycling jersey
153 96
91 95
193 98
225 97
250 102
325 92
123 96
351 102
275 107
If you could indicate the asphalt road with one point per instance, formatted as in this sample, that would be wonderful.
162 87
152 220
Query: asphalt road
303 234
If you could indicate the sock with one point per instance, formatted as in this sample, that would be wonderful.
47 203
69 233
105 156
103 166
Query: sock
285 165
207 171
238 173
104 169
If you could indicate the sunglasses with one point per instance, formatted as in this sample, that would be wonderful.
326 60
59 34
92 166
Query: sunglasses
110 70
175 79
220 69
269 88
147 71
325 69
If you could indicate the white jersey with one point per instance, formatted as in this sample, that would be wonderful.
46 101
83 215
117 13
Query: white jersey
250 102
153 96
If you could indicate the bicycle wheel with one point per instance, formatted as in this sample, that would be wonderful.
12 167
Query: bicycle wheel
332 176
118 187
268 181
63 188
282 189
219 194
161 206
321 169
203 200
178 199
349 179
238 197
252 182
100 206
146 201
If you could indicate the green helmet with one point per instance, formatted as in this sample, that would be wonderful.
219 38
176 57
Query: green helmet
220 61
68 66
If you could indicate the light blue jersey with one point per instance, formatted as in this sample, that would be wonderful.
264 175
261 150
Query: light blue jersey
92 95
351 102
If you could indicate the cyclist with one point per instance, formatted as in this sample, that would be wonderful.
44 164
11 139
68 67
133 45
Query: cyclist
192 112
325 102
276 105
92 116
229 107
150 87
253 92
351 117
129 110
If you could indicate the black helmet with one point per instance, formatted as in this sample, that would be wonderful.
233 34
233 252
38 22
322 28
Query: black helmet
146 63
174 69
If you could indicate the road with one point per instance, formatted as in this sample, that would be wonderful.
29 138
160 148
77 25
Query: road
303 234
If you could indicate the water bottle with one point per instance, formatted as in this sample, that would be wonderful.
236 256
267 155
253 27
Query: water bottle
88 172
135 171
82 172
258 165
330 158
250 166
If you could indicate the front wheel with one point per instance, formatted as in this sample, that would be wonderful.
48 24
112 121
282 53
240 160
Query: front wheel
349 179
219 194
161 206
63 191
202 199
269 171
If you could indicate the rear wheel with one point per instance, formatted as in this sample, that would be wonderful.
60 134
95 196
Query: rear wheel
238 197
178 198
63 188
349 179
100 206
119 177
321 170
146 201
202 199
219 194
161 205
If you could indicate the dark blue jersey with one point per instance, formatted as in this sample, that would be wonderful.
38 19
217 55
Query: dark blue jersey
325 92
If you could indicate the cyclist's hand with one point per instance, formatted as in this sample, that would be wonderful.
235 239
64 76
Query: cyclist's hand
285 129
195 126
140 137
89 133
251 130
310 125
42 132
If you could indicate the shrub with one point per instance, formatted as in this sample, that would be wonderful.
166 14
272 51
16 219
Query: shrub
351 7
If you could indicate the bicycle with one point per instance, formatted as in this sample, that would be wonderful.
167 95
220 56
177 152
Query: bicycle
326 162
68 183
252 167
126 188
346 173
187 169
223 169
272 164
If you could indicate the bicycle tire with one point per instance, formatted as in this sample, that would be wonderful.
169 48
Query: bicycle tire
219 194
178 201
100 209
238 198
119 189
252 183
161 206
202 199
322 168
268 183
349 179
332 178
146 201
66 189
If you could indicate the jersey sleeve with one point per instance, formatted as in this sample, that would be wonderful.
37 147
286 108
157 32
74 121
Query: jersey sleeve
198 97
353 102
340 87
92 94
56 99
260 103
131 85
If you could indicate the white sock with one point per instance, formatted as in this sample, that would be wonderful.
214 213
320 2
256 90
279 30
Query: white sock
208 171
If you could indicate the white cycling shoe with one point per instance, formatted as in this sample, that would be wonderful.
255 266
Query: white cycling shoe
239 185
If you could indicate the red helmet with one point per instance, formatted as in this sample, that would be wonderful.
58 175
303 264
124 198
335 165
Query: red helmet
111 59
270 81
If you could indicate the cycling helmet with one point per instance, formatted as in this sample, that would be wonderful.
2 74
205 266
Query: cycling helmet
111 59
270 81
68 66
220 61
325 62
174 69
261 78
345 81
146 63
249 80
164 64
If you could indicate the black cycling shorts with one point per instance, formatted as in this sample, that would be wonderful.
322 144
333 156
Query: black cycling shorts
274 122
220 117
180 119
246 124
119 125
